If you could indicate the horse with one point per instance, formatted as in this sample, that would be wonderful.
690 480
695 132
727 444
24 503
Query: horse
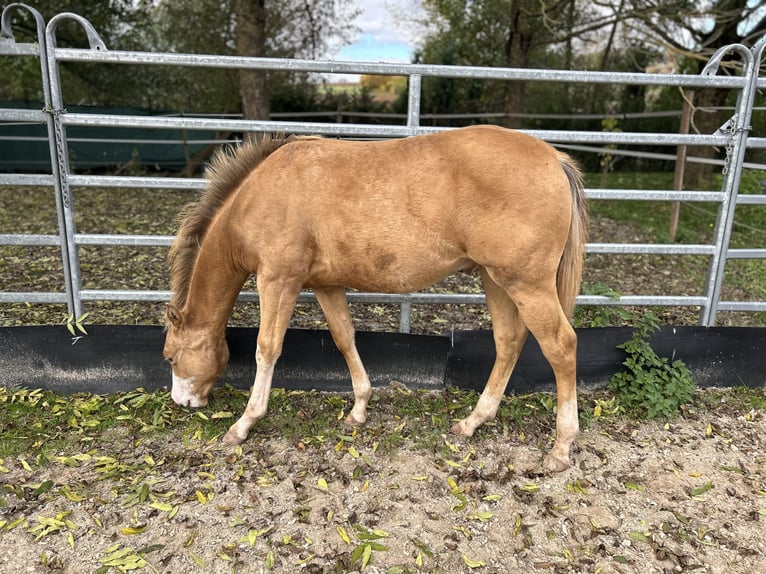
390 216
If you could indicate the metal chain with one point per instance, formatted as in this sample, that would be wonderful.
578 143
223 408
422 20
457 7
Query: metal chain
58 134
726 128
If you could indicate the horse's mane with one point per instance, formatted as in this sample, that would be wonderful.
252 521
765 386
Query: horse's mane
228 168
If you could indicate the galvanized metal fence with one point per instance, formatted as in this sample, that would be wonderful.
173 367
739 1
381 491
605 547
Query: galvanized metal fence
734 137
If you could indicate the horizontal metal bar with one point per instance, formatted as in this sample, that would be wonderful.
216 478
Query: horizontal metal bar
123 239
622 152
742 306
19 49
114 141
389 69
26 179
135 182
649 249
643 300
755 142
124 295
29 239
751 199
399 298
32 297
746 254
305 297
371 130
655 195
418 298
241 125
23 115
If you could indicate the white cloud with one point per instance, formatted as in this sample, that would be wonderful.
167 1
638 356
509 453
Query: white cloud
387 22
387 33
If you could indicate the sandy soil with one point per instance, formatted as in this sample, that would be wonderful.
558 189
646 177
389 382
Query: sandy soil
689 495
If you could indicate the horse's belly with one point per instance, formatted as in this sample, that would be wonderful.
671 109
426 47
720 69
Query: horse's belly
387 272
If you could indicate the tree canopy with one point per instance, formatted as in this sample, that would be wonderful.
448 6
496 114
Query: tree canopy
623 35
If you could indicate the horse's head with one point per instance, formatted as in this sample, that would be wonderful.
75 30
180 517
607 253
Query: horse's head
197 358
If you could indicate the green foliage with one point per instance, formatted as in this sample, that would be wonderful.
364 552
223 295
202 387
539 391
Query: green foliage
651 386
294 28
751 181
600 315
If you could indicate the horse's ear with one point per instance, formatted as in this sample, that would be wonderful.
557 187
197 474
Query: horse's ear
173 316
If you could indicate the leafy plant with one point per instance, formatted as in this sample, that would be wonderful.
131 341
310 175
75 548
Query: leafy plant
651 386
600 315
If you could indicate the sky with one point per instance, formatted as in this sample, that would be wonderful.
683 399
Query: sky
383 36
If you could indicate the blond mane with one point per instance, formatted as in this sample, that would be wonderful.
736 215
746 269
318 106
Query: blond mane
227 169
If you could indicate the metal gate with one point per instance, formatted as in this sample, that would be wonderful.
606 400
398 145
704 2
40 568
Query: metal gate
734 137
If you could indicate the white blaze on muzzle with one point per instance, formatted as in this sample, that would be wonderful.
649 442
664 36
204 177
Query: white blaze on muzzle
183 394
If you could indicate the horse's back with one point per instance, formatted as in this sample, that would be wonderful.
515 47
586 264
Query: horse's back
472 169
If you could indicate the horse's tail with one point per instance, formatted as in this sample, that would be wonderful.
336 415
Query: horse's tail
569 274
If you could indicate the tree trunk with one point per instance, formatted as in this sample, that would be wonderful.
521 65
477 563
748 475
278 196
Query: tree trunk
705 121
251 41
516 56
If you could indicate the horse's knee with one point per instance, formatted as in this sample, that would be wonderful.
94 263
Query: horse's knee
267 353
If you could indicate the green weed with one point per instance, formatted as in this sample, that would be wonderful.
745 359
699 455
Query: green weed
651 386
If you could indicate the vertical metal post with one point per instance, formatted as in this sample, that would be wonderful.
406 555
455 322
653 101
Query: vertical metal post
413 121
413 101
60 159
736 128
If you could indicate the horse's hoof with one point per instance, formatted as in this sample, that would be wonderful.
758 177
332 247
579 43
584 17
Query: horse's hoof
462 428
555 464
353 421
232 438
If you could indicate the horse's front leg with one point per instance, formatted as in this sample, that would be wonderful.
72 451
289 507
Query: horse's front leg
278 300
335 307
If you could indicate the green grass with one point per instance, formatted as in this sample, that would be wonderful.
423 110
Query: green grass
653 217
39 424
696 219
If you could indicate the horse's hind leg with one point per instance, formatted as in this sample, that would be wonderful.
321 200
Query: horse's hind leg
541 311
509 333
277 303
335 307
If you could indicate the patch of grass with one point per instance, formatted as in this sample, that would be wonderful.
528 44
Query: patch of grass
743 400
39 423
43 428
653 217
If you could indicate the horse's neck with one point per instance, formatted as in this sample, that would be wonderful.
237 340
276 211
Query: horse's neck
215 284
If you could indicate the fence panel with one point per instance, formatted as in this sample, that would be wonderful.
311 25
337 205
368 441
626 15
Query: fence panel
9 47
733 137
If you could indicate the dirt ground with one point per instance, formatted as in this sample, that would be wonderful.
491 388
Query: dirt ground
689 495
641 497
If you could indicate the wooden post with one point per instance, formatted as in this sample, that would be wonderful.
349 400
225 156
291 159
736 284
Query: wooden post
678 174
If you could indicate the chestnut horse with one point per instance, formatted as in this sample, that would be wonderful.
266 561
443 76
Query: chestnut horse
392 216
